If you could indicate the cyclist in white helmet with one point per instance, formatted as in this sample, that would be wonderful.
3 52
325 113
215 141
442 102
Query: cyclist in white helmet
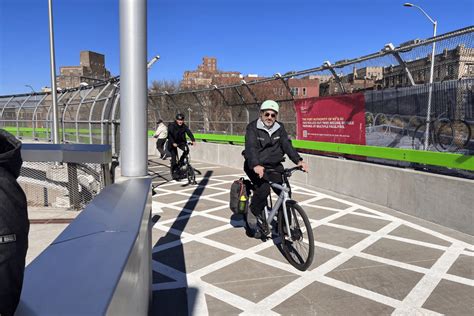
266 143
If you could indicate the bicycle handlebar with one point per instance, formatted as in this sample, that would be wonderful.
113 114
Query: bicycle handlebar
290 171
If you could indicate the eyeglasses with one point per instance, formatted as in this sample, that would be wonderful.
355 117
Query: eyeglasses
179 119
267 114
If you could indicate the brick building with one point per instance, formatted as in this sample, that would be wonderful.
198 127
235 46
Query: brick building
206 75
451 64
91 70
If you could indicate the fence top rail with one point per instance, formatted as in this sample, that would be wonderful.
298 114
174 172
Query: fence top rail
337 65
449 160
72 153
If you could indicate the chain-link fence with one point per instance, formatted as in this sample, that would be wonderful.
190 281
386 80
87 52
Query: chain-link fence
394 81
61 185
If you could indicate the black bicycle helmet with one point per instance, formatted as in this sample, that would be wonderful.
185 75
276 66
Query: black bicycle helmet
180 116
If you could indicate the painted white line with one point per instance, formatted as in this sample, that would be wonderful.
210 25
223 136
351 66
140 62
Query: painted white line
423 289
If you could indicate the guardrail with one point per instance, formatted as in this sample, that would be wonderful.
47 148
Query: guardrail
449 160
64 175
101 263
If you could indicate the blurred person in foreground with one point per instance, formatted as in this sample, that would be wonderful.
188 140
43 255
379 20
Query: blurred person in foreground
14 224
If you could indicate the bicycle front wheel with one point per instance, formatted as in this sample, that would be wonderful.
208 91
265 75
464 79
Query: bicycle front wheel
191 175
298 244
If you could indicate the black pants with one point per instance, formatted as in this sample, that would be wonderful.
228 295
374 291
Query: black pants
262 187
160 144
174 155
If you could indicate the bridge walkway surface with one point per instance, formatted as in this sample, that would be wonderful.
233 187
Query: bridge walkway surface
369 260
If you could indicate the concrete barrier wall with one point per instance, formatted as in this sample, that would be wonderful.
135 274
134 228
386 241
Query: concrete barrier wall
101 263
444 200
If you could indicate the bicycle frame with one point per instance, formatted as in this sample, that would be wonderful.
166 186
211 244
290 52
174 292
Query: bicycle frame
281 201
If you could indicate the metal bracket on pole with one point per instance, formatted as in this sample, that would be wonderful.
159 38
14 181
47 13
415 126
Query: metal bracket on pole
285 83
171 98
230 109
197 99
244 83
241 96
221 94
391 49
328 65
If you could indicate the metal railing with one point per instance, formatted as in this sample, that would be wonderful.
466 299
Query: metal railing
395 104
94 258
64 175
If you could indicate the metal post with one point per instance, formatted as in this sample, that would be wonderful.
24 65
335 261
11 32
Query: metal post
55 124
430 89
189 117
133 87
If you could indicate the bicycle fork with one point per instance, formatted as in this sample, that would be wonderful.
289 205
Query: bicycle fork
281 201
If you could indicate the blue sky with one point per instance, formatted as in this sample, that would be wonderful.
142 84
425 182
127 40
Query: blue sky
250 36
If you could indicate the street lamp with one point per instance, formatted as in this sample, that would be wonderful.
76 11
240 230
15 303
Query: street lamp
152 61
29 86
430 91
189 115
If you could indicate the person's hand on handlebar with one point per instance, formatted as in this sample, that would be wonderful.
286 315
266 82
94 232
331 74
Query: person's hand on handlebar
303 165
259 170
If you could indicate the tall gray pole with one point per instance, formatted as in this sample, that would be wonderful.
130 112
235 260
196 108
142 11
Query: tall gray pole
430 89
53 75
133 88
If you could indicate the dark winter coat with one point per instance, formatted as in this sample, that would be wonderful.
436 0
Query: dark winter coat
14 224
268 147
177 134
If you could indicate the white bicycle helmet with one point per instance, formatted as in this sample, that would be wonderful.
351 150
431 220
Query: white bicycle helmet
270 105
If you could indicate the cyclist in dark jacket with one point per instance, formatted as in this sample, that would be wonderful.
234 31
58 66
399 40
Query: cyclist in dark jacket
177 132
14 224
266 143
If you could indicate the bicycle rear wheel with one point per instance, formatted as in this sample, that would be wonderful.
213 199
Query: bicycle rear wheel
299 248
462 134
419 136
444 135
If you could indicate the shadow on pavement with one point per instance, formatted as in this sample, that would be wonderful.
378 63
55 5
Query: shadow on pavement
174 301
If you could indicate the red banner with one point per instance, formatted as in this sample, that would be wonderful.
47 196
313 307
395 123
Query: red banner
336 119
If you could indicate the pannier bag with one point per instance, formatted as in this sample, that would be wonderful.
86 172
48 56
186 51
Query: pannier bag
239 196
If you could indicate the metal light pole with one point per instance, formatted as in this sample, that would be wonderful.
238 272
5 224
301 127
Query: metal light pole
29 86
430 88
189 115
133 87
53 75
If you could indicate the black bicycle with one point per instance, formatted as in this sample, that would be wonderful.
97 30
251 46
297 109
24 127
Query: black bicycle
289 224
183 169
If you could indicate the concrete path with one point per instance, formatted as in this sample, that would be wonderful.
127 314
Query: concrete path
45 225
369 260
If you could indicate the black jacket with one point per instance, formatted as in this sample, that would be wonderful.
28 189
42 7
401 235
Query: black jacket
177 134
14 224
265 150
